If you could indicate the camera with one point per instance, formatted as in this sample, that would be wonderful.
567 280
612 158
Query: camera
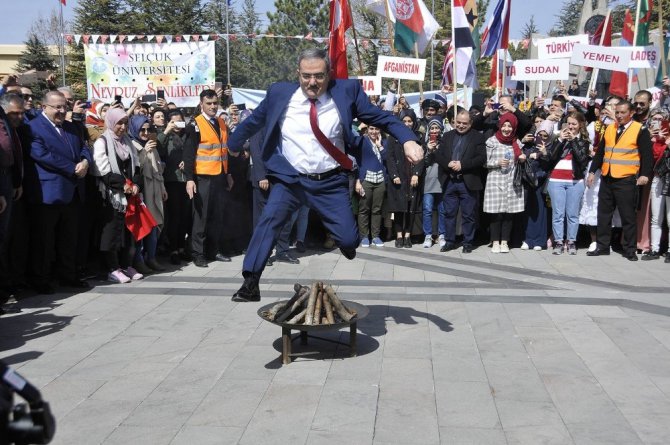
24 423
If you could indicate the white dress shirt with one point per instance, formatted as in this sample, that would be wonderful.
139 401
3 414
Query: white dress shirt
298 143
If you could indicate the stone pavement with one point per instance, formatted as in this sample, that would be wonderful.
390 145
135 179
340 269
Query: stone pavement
522 348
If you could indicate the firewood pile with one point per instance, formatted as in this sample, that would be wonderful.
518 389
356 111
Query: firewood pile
311 305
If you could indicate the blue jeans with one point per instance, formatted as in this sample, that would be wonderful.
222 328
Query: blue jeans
146 247
429 200
566 200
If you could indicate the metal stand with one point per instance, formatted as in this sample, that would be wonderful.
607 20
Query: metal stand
303 335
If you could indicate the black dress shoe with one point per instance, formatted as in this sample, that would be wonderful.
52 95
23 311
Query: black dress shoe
349 254
407 243
300 246
467 248
249 290
269 262
76 283
175 259
598 252
399 242
447 247
648 256
631 256
286 258
223 258
200 261
44 288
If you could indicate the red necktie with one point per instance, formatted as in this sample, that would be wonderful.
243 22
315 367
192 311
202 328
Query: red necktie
332 150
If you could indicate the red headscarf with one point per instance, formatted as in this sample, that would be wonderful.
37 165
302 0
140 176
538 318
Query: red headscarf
511 139
93 115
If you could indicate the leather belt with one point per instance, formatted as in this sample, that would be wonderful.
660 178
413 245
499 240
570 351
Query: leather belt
322 176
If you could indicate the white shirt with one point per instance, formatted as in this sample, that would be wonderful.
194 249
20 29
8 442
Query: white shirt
298 143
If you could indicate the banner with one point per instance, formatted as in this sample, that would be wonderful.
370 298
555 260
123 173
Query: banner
548 69
182 70
603 57
644 56
560 47
401 68
372 85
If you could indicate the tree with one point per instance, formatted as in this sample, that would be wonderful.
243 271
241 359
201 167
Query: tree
567 20
529 28
163 17
35 57
48 29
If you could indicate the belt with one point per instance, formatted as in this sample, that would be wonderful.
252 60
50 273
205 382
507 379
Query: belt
322 176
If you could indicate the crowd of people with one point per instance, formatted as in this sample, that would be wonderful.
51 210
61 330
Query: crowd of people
73 172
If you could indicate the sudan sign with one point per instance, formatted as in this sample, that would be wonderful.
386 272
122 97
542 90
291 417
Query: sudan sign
551 69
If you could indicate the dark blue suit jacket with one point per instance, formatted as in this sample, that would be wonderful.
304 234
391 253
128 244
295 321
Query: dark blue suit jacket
55 158
351 103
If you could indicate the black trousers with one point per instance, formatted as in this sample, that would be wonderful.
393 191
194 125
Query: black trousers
501 226
205 206
55 226
621 193
177 215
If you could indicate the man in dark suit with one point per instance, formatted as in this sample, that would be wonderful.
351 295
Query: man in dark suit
307 127
461 155
60 160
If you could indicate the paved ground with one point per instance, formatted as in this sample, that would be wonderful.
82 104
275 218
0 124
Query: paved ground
523 348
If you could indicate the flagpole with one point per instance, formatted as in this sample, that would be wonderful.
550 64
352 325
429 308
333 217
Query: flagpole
227 42
358 52
504 72
390 27
661 31
416 54
497 56
596 71
637 24
62 44
453 44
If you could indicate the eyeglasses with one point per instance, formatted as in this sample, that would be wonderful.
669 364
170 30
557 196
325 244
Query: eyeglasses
640 104
316 76
59 107
27 96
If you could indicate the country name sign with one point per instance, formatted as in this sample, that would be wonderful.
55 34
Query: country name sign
372 85
401 68
551 69
559 47
603 57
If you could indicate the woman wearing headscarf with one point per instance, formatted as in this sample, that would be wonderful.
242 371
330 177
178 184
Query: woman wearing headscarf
403 191
143 135
432 189
117 163
501 198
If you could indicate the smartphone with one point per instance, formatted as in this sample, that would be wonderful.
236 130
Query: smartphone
539 140
218 85
87 104
152 135
117 98
148 98
564 126
495 106
180 124
241 107
432 137
160 94
655 125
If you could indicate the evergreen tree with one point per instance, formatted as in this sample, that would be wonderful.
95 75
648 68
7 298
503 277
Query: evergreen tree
529 28
567 20
163 17
35 57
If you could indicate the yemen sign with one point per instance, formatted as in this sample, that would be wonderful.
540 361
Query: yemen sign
552 69
603 57
401 68
559 47
372 85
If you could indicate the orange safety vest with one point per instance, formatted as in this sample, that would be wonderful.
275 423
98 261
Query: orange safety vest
212 155
622 158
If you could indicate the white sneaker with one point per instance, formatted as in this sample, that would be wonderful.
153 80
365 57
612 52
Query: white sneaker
132 273
495 248
428 242
524 246
504 248
442 241
537 248
593 246
117 277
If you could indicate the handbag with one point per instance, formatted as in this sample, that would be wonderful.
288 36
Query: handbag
524 174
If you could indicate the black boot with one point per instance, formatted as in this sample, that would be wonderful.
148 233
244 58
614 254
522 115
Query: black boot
249 290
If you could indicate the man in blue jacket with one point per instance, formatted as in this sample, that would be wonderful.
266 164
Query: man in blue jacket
60 160
307 127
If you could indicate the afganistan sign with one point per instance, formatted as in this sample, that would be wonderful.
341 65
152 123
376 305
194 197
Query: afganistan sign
401 68
182 70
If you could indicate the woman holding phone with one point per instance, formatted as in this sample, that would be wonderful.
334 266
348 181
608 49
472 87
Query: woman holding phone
432 189
568 159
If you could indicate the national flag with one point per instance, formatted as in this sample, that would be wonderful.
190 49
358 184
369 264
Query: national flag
63 2
619 81
495 79
460 49
412 20
643 19
603 33
666 46
496 31
340 21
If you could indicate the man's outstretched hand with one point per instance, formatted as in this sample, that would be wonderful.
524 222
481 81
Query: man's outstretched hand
413 152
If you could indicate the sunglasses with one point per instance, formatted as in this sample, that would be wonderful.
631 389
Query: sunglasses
640 104
27 96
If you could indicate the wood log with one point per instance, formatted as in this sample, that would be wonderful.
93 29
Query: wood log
318 307
311 302
340 309
330 317
271 314
297 318
324 320
304 293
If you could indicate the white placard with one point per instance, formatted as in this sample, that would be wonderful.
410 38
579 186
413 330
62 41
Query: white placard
559 47
372 85
547 69
643 56
603 57
401 68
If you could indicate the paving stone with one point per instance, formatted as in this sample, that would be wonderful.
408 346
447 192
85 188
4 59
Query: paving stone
207 435
406 416
466 405
230 403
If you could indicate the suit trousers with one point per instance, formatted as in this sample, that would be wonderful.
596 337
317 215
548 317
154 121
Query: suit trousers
55 226
260 198
328 197
204 206
177 215
457 195
622 194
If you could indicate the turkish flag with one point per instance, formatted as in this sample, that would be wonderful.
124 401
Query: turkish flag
340 21
619 81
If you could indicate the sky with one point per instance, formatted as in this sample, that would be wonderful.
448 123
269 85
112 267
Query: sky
23 13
